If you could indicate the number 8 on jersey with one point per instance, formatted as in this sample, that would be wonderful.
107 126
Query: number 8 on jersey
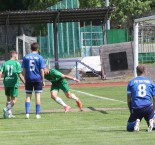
141 90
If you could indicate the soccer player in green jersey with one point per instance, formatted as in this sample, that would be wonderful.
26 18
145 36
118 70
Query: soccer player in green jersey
59 81
11 71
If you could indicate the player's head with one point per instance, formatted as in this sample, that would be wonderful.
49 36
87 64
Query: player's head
46 70
13 54
34 46
140 70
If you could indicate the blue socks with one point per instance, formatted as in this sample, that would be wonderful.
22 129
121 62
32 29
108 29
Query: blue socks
38 109
27 107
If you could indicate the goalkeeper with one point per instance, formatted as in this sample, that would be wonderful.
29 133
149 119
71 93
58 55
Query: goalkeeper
59 81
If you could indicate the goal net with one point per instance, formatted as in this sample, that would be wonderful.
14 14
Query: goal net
144 44
23 44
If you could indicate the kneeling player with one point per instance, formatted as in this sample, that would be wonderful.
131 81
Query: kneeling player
59 81
141 97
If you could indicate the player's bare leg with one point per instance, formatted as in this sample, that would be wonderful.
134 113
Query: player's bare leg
10 103
72 96
7 103
54 96
27 104
38 102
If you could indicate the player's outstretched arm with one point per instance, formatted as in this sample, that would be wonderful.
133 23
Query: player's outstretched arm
70 78
22 78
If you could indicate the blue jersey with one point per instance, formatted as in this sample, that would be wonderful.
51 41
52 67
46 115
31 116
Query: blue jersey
141 90
33 63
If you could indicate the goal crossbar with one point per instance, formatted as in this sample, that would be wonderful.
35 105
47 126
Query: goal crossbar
150 20
25 39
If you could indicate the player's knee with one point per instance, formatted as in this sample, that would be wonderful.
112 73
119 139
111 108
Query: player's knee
53 96
14 101
69 95
130 126
28 99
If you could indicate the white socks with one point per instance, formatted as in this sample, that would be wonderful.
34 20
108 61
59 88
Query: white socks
74 97
60 101
9 106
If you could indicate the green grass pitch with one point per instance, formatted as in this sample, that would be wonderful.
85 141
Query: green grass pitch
97 127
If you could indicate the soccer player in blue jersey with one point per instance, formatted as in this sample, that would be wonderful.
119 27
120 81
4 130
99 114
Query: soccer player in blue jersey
33 65
141 100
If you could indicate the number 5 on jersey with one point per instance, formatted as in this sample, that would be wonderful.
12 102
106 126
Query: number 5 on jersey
32 65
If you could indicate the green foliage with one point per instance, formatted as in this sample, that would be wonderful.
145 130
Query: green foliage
153 3
127 10
11 5
40 4
90 3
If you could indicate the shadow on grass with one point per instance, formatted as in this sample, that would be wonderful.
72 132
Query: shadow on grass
88 109
97 110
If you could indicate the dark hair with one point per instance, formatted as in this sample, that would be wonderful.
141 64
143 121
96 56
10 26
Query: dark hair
140 69
34 46
12 52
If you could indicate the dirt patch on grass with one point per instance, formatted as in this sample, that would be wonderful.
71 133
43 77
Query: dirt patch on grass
89 109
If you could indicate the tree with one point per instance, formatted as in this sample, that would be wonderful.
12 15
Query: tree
11 5
125 13
127 10
91 3
39 4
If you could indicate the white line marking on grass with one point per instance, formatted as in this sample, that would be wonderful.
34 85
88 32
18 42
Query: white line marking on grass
99 97
61 129
43 131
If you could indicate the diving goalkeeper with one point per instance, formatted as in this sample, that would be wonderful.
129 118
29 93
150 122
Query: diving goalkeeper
59 81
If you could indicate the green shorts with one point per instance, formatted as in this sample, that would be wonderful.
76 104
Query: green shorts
63 85
11 91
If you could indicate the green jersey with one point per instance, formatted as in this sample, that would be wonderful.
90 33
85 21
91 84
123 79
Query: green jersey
54 76
10 70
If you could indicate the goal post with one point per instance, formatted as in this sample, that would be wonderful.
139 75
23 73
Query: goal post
26 42
144 42
135 47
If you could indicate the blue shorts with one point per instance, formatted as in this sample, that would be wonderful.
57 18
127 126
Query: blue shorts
37 86
147 113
